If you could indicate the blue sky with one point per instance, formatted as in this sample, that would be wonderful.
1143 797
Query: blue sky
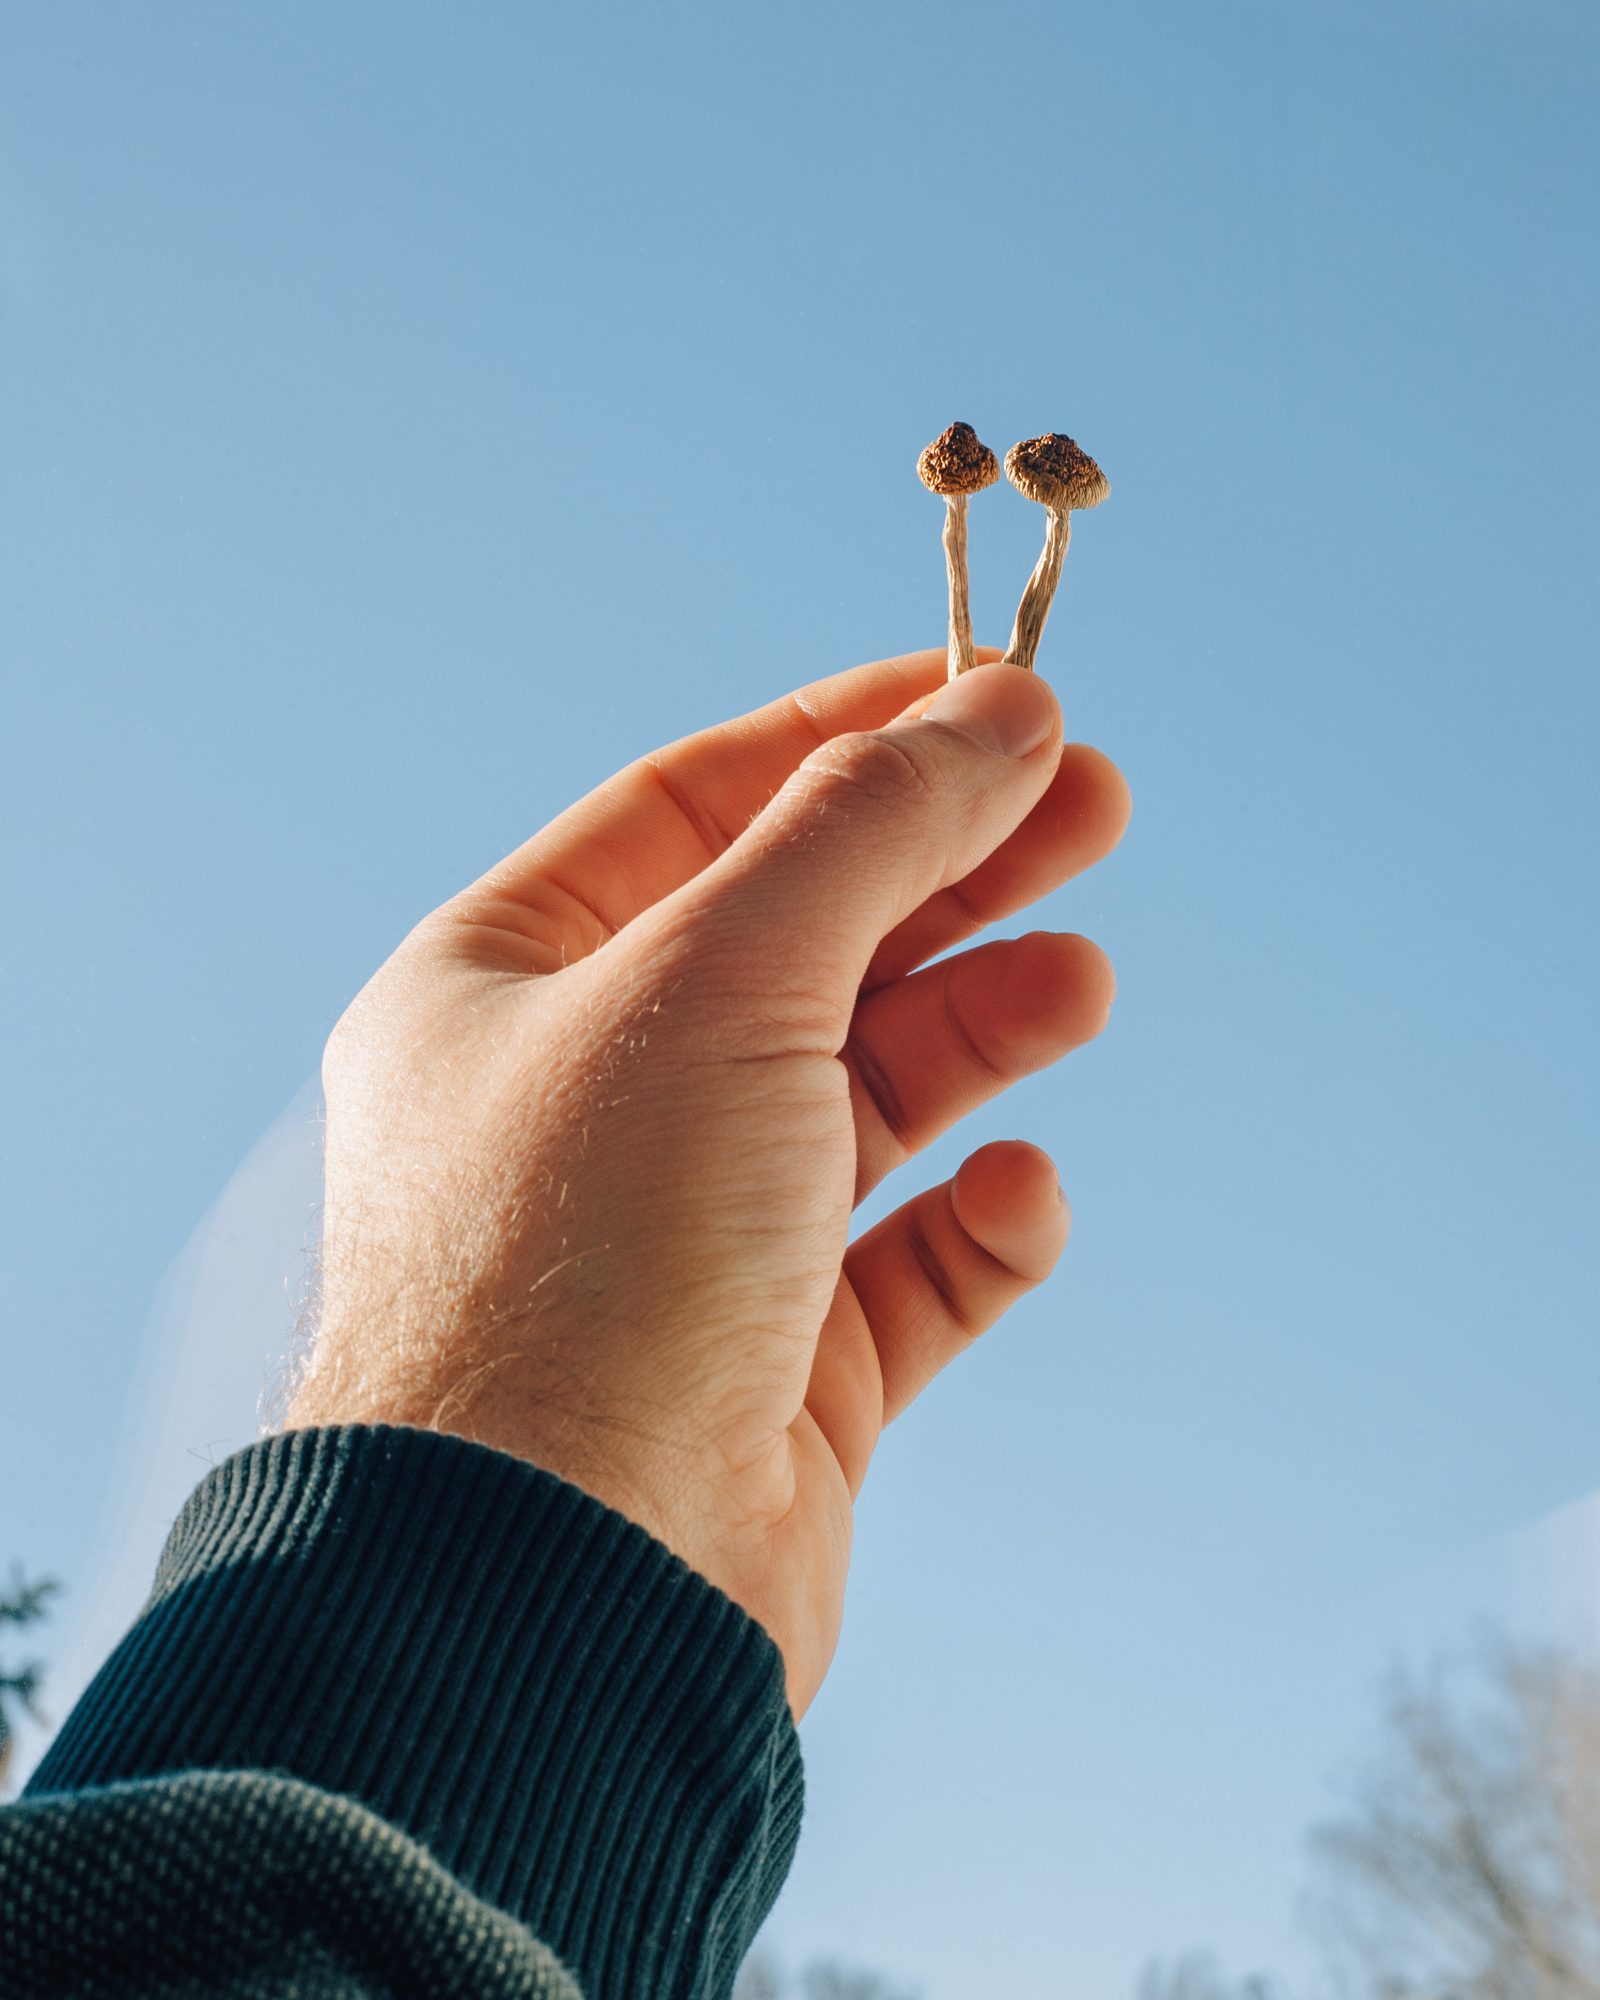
412 413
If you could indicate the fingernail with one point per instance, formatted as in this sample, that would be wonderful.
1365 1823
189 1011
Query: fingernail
1007 710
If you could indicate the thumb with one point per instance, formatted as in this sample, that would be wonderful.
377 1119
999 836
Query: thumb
870 825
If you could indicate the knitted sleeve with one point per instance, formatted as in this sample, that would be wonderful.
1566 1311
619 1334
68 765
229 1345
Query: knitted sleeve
404 1715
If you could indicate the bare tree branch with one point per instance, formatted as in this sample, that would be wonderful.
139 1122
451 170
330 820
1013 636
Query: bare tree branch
1469 1865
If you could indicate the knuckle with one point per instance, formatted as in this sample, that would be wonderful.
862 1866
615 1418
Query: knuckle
876 765
878 1085
941 1281
978 1052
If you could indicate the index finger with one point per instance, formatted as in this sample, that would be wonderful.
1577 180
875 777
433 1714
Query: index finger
662 819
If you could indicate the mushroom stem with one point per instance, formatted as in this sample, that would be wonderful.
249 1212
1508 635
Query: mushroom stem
955 557
1040 589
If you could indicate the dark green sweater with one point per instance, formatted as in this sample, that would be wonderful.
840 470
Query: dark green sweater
407 1716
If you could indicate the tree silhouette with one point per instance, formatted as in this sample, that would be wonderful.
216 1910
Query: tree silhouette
25 1604
1469 1867
761 1978
1467 1863
1197 1976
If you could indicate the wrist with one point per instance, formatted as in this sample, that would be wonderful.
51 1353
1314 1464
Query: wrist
484 1403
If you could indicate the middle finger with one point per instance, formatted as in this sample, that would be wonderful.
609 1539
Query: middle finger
925 1050
1078 822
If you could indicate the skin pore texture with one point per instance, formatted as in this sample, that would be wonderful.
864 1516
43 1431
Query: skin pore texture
596 1130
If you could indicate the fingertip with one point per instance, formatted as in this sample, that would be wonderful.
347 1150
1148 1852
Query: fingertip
1104 795
1073 974
1095 980
1008 1197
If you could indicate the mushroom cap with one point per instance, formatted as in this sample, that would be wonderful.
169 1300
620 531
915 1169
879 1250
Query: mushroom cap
957 463
1056 472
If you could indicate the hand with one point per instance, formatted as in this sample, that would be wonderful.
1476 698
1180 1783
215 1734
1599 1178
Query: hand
595 1131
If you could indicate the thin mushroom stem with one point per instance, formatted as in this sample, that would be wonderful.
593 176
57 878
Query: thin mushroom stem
955 558
1040 589
956 465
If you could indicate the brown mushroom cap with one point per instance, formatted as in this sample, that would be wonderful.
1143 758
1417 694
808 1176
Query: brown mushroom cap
1056 472
957 463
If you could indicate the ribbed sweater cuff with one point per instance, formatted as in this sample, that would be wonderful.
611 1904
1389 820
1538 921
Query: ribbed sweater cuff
582 1728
